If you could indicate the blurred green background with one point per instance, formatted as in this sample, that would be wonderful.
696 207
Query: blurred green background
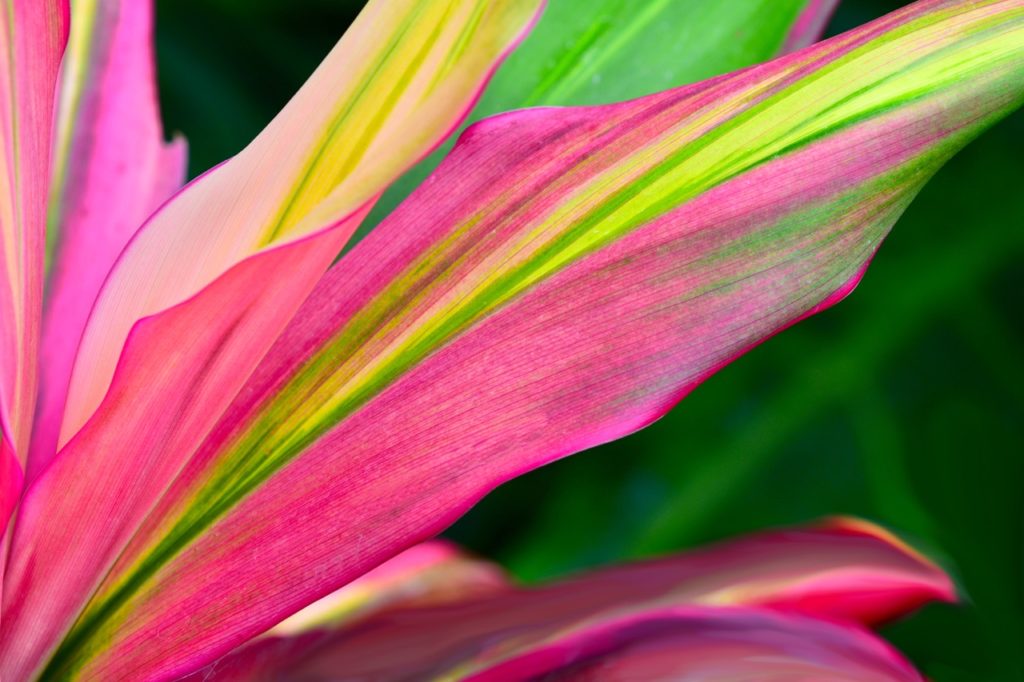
904 404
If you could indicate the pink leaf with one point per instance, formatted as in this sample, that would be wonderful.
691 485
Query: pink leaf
704 645
112 170
431 573
32 38
186 312
841 571
563 279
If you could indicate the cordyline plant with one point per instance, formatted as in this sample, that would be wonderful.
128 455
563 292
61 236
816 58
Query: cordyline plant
207 426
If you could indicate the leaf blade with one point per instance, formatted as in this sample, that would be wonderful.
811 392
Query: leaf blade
109 144
712 644
184 316
32 39
764 197
413 385
816 572
619 53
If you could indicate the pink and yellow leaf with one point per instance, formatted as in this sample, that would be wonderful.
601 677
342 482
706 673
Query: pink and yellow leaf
427 574
564 278
185 316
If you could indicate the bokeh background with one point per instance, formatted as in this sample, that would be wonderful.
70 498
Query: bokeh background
904 404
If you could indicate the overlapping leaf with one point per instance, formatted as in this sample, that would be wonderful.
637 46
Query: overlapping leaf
345 135
666 643
844 572
607 51
33 34
601 51
428 574
708 645
564 278
111 170
187 311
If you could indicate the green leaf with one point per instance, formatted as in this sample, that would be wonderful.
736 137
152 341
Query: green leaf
601 51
